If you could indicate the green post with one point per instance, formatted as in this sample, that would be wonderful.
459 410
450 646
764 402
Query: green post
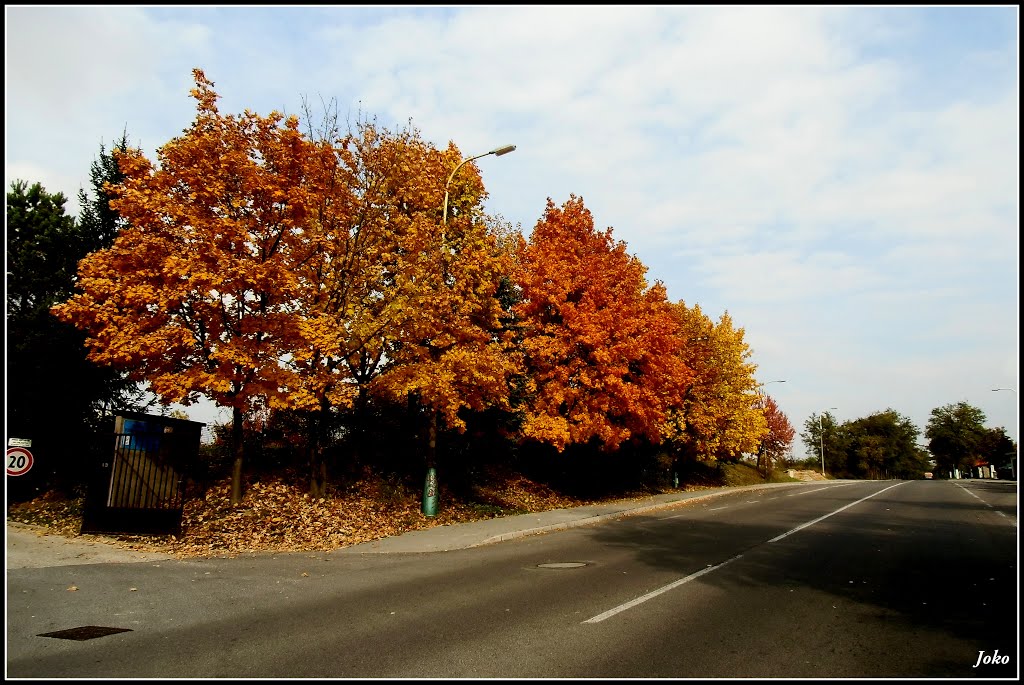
430 493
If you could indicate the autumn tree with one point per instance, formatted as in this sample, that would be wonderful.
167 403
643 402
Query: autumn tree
396 302
718 415
197 293
452 351
777 441
99 224
600 345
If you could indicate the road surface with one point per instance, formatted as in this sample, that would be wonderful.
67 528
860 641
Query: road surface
846 579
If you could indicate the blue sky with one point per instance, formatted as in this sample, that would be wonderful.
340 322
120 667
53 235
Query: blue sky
843 181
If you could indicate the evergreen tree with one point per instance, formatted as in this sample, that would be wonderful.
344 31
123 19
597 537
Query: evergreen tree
56 397
50 384
99 224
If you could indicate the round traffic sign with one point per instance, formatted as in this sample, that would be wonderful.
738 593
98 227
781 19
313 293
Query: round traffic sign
19 461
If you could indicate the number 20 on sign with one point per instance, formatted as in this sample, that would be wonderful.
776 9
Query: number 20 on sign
19 461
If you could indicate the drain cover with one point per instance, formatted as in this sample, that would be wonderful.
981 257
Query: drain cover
85 632
563 564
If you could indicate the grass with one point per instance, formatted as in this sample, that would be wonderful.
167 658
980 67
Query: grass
742 473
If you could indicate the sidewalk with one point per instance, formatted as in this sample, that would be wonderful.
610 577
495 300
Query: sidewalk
30 547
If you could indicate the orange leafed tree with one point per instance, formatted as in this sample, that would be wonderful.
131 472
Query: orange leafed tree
718 415
196 296
601 347
779 437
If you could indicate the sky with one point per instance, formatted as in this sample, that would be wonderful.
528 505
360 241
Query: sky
841 181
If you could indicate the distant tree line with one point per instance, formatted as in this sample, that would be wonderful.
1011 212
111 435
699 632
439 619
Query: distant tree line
886 444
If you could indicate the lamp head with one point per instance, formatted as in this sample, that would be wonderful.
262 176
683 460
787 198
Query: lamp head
498 152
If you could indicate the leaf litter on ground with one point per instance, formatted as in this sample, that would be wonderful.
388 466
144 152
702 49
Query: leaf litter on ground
277 515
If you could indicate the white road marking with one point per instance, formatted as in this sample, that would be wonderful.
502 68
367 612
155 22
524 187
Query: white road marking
1013 521
671 586
655 593
822 518
804 492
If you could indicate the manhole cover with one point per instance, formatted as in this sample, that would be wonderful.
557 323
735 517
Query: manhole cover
85 633
563 564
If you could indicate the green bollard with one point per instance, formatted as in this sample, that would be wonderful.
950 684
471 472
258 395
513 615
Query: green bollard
430 493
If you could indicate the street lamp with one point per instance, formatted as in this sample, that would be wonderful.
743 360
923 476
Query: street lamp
758 387
1010 389
497 152
761 385
821 437
429 506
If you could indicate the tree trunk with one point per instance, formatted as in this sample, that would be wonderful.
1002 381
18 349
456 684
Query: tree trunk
432 440
317 464
239 449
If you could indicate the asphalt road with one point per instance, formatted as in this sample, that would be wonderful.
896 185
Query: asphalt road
872 579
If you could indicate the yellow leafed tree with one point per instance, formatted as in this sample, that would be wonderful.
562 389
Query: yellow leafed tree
397 302
719 415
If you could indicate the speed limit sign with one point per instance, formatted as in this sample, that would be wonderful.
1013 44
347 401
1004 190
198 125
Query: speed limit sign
19 461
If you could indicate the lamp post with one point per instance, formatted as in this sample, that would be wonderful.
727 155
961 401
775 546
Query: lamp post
821 437
497 152
761 385
429 506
